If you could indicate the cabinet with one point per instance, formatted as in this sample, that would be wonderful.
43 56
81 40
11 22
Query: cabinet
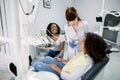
112 36
111 28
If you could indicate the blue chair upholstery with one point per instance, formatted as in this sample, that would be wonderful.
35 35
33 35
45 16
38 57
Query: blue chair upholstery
96 68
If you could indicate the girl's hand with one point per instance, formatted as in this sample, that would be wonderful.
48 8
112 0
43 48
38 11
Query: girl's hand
58 59
55 67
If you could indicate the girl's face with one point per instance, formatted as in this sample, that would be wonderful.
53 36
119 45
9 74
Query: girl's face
72 23
54 28
82 45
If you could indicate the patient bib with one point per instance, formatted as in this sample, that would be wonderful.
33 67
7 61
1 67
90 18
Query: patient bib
77 60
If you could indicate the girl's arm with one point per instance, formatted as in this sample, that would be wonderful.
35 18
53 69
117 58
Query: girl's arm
61 60
62 44
56 68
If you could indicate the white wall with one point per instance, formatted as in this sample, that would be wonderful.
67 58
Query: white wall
44 16
112 5
88 10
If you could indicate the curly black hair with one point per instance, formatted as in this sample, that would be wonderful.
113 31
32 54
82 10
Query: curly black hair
48 30
95 46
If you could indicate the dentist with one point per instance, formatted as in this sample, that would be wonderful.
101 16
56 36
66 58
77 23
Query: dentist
74 29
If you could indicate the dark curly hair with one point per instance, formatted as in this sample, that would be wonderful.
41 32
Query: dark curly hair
49 28
95 46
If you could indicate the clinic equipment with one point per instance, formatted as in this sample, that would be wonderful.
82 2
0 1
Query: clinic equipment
30 75
28 13
111 27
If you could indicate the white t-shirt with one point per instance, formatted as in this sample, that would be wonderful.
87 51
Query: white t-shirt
57 43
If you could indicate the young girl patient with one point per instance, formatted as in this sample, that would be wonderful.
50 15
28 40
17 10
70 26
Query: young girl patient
53 33
92 50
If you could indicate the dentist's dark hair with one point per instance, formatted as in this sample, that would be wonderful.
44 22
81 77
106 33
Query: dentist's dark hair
71 14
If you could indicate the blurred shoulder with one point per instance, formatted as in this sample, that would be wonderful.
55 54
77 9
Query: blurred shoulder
84 22
66 25
83 25
62 36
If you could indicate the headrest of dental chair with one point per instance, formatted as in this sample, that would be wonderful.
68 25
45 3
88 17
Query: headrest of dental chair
112 19
108 48
94 71
97 67
13 69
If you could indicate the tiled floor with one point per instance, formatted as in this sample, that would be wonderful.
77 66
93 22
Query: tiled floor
113 67
111 71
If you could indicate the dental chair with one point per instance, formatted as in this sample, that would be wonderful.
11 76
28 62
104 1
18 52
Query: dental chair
91 74
94 72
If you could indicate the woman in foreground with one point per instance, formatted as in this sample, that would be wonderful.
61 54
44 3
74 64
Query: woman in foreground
92 49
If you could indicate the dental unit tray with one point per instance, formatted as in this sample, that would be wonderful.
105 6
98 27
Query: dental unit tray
41 42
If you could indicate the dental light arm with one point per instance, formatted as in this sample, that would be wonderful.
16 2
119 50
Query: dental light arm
51 34
27 13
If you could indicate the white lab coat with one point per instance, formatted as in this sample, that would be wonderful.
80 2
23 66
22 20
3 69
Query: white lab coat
71 35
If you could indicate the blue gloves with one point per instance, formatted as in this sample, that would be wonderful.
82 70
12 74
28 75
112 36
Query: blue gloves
72 44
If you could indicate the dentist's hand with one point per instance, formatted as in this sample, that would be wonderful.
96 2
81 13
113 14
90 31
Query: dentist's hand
72 44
